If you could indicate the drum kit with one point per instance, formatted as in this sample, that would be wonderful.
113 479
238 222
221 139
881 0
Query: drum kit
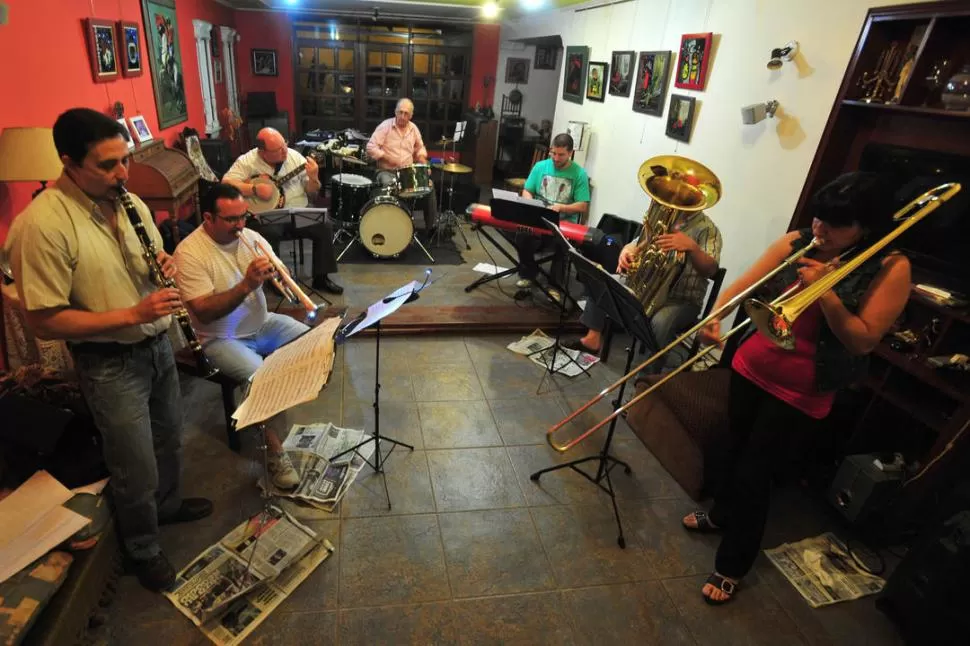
377 212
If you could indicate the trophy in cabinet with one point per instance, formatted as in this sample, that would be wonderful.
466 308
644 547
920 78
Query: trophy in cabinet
877 83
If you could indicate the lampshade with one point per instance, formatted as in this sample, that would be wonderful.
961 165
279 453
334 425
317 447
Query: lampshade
28 155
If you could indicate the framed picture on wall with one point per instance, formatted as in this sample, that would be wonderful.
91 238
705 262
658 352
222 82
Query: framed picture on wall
124 124
517 71
102 49
695 52
164 54
653 78
545 57
130 38
680 117
596 80
622 67
574 74
264 62
140 129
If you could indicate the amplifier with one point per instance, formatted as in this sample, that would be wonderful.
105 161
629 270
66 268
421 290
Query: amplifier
862 486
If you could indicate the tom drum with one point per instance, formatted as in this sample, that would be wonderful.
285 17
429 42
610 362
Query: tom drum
414 181
349 193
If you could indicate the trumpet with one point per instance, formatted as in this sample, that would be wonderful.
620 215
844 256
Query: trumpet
281 279
773 319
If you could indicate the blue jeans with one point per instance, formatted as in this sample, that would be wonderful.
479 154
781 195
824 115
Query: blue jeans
239 358
133 394
669 321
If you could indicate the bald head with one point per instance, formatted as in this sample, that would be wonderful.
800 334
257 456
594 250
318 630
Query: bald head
403 112
271 145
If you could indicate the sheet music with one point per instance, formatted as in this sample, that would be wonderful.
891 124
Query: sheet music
511 196
292 375
460 130
384 307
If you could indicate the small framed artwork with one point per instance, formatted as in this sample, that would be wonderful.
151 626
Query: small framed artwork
217 70
622 67
517 71
695 52
596 81
102 49
574 74
131 140
653 78
140 129
545 57
264 62
680 117
130 39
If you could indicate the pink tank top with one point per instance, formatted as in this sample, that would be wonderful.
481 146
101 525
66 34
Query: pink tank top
789 375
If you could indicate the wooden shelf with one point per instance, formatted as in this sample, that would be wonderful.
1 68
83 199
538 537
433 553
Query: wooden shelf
929 418
921 371
960 315
908 109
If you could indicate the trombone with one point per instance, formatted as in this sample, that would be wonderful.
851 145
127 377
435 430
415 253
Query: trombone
773 319
282 279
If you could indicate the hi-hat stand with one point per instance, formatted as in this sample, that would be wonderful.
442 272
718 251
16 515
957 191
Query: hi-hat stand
373 316
621 306
448 219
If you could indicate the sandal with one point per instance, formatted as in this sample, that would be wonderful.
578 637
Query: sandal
704 524
577 344
723 584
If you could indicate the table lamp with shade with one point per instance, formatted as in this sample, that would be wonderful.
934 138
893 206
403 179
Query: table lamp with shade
29 155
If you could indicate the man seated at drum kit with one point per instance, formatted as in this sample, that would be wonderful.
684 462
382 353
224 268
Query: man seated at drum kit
255 174
220 273
671 286
397 147
564 186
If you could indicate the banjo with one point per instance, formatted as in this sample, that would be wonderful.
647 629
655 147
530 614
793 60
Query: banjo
277 200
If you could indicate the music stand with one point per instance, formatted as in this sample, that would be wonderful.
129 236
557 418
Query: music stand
620 305
308 215
373 316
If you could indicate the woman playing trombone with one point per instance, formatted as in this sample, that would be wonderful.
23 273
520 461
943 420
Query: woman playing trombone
778 398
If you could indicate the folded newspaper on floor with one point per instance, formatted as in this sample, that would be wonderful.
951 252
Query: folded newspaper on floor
538 346
233 585
322 482
823 571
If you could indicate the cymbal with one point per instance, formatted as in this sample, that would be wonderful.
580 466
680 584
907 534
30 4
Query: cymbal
459 169
350 160
444 140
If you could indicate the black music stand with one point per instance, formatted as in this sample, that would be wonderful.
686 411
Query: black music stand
620 305
373 316
526 214
289 215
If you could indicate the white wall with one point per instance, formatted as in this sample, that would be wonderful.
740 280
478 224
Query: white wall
539 95
762 167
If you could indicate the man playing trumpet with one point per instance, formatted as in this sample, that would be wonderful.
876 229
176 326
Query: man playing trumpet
219 276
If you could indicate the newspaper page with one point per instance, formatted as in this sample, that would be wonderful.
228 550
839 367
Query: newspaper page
532 343
292 375
567 362
324 483
823 571
323 440
253 553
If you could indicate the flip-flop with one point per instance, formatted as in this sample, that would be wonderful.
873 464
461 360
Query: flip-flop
724 585
704 524
577 344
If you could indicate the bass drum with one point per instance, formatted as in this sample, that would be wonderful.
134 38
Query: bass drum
386 229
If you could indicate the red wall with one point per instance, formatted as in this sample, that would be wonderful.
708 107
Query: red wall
484 63
266 30
46 71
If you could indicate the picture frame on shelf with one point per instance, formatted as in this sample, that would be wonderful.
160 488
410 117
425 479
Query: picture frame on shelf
693 61
545 57
139 129
102 49
652 81
574 74
129 39
131 139
680 117
622 67
164 56
264 62
597 76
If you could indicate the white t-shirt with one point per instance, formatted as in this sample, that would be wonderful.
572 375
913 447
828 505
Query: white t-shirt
250 164
206 267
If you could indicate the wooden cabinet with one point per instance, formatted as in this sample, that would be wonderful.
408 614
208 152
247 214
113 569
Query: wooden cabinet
165 179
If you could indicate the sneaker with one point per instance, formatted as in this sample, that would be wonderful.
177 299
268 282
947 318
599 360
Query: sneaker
155 574
281 468
555 295
523 283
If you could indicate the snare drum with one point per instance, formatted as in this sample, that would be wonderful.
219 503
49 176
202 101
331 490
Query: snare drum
385 227
349 193
414 181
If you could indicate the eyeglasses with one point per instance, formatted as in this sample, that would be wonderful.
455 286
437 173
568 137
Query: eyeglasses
235 219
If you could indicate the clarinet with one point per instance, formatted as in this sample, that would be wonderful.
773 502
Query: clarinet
158 277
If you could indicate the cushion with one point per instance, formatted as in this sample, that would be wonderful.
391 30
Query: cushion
24 595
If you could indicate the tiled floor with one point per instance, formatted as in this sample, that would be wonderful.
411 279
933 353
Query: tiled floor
473 552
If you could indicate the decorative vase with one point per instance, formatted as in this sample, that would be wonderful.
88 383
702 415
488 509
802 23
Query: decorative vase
956 93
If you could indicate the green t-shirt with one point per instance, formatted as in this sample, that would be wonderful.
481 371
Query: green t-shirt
564 186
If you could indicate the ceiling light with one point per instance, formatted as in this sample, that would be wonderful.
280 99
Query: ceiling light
489 10
532 5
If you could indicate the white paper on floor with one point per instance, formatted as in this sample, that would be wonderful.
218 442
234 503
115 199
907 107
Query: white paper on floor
486 268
